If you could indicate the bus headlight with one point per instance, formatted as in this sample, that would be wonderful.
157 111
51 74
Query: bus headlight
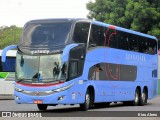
63 88
18 89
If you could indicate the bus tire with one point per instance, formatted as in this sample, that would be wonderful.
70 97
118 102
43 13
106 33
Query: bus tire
42 106
85 106
143 98
136 98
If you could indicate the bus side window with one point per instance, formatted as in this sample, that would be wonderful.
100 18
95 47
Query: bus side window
114 42
123 41
133 43
96 36
152 45
142 44
147 45
81 31
96 72
112 38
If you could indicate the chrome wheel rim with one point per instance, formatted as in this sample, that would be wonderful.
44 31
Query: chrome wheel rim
136 98
143 96
87 100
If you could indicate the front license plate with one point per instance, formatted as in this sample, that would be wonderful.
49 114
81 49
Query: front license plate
38 102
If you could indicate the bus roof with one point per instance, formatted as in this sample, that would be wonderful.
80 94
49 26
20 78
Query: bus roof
11 53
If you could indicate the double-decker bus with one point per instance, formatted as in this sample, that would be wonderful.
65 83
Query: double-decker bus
86 62
7 75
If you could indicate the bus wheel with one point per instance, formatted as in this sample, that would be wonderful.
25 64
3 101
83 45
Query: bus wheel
85 106
136 98
143 98
42 106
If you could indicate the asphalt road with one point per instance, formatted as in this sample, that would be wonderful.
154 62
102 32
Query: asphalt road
10 105
115 109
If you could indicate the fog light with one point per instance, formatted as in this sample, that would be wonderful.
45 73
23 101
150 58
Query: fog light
60 98
17 98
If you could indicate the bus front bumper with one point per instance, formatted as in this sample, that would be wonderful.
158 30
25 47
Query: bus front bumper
63 97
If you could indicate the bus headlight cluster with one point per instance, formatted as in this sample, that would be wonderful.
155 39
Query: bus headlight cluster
18 89
63 88
17 98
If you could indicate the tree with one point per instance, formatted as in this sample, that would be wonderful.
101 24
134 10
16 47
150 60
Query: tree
138 15
9 35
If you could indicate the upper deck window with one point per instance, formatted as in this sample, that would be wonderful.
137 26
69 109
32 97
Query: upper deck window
97 37
81 31
113 38
46 34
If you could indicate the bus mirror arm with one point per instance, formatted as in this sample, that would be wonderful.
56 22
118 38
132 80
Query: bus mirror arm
4 52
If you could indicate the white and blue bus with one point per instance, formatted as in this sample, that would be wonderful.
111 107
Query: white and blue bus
7 75
86 62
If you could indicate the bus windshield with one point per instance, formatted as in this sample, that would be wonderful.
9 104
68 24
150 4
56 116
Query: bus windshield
46 34
40 69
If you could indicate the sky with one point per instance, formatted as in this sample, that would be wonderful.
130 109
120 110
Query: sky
18 12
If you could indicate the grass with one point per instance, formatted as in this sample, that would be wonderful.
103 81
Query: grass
3 74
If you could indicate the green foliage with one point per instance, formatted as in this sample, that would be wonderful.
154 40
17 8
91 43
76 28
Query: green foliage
9 35
3 74
138 15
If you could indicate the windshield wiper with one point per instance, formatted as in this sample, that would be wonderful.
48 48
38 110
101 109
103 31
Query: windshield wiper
53 81
23 79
